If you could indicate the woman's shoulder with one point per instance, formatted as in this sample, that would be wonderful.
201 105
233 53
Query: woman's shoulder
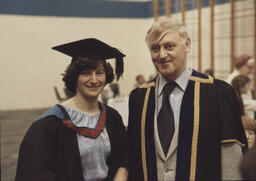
47 124
51 117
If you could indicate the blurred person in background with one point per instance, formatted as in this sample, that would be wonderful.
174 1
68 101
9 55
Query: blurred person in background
241 85
240 67
140 79
152 76
68 95
250 130
81 139
251 65
115 89
106 94
209 72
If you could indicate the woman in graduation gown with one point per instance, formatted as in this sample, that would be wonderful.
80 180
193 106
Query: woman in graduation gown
80 139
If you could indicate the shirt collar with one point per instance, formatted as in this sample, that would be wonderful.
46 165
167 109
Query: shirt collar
181 81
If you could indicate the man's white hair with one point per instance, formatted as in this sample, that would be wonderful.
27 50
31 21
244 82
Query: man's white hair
164 26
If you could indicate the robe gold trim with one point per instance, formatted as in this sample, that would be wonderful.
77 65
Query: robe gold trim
233 141
143 122
195 129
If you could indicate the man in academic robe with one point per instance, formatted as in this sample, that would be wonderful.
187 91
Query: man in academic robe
183 125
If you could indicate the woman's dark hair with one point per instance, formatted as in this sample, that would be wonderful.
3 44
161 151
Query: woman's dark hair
237 83
80 64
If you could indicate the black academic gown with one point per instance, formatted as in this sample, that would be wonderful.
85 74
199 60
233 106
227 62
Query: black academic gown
49 150
209 117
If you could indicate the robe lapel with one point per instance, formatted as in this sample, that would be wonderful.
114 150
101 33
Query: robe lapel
158 145
172 147
69 158
174 143
185 133
70 151
186 167
147 134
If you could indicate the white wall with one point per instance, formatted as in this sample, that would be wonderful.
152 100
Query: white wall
244 39
30 69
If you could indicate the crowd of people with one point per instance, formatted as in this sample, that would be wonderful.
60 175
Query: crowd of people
183 124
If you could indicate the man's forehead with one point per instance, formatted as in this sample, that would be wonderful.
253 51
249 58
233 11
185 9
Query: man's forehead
173 33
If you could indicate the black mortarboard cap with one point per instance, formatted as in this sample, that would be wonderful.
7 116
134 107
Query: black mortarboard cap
95 49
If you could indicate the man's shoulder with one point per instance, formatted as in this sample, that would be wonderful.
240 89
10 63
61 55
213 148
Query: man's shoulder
219 85
224 88
144 86
139 93
200 77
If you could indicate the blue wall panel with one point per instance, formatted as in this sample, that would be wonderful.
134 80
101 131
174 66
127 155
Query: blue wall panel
76 8
93 8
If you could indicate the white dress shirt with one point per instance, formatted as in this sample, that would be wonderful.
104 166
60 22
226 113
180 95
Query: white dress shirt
176 95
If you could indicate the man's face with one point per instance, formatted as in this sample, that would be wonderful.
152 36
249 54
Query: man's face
169 55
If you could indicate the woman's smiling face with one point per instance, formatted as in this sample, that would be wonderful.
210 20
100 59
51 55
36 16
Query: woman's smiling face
90 83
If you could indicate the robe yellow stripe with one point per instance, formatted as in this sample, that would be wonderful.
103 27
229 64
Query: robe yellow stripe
195 131
143 146
147 85
202 80
233 141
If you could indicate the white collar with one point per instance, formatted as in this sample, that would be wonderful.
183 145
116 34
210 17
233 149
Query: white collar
181 81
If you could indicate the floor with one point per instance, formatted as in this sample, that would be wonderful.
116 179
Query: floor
13 128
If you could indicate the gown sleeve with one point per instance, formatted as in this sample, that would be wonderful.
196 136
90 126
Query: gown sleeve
231 157
233 140
232 130
117 135
122 138
36 160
